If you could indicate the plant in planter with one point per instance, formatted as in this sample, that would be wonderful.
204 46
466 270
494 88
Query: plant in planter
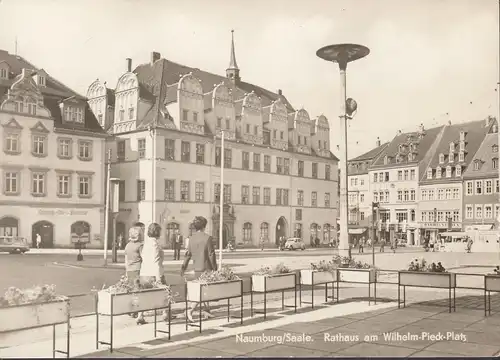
422 266
267 278
322 272
420 273
214 285
33 307
351 270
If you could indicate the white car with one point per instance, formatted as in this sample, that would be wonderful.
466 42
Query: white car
294 244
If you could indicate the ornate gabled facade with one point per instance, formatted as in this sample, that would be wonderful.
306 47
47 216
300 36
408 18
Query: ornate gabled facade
52 162
181 112
481 207
441 193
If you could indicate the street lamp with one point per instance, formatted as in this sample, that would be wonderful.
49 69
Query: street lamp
375 214
342 54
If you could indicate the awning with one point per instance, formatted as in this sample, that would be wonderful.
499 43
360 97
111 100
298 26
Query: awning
481 227
454 234
357 231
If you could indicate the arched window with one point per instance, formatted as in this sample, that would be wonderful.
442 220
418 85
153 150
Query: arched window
264 231
247 232
80 231
8 228
326 233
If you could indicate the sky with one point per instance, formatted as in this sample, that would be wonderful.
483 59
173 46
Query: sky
430 61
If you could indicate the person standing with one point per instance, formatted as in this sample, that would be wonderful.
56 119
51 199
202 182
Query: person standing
432 245
201 250
382 245
133 261
262 242
177 245
152 259
38 241
361 245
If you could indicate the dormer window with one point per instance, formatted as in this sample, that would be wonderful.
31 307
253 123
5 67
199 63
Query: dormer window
494 163
462 145
448 171
401 148
41 80
441 158
73 114
429 173
386 160
452 147
477 165
461 156
411 147
462 135
438 172
4 74
494 148
458 171
451 158
398 159
410 157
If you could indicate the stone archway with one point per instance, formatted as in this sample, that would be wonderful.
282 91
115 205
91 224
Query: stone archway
46 231
281 229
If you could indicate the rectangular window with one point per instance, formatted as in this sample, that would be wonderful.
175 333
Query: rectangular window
469 188
469 212
448 194
440 194
228 158
141 148
131 113
141 190
184 115
217 193
400 174
278 196
497 186
267 163
200 153
479 187
300 168
199 191
456 193
228 124
488 211
169 149
11 185
85 150
300 197
121 190
275 132
255 130
488 186
375 177
247 128
120 150
298 214
245 194
84 186
122 115
387 176
227 194
314 199
279 165
169 190
285 197
412 175
315 170
38 184
219 122
185 151
267 196
327 172
39 147
406 174
256 162
63 185
412 195
217 156
286 166
256 195
431 194
64 148
423 195
185 193
375 196
12 143
195 116
245 160
479 211
497 211
406 194
327 200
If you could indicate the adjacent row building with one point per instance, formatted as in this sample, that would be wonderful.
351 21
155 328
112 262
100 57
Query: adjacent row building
431 181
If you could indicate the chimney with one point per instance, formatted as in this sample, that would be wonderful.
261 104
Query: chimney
155 56
378 142
280 92
129 65
399 132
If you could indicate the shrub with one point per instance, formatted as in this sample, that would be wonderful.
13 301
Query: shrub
34 295
225 274
278 269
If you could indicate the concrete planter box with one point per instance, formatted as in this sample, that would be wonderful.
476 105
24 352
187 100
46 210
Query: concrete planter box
28 316
492 283
427 279
276 282
126 303
358 275
316 277
197 292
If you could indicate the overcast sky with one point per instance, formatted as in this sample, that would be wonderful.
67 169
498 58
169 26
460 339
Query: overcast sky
428 57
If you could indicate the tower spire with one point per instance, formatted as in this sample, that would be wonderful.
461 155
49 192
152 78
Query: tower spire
233 72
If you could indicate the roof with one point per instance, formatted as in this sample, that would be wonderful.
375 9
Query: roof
53 92
370 155
484 154
149 75
475 132
422 140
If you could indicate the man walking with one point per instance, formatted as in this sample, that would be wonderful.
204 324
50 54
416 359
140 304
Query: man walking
177 245
361 245
382 245
38 241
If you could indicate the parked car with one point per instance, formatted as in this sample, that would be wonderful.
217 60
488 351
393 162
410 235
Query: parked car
14 245
295 244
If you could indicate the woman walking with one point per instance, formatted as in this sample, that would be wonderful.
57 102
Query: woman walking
133 261
201 250
152 260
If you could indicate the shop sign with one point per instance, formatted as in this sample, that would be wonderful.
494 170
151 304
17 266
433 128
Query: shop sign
62 212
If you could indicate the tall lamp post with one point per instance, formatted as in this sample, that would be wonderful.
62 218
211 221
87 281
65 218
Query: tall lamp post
221 200
342 54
